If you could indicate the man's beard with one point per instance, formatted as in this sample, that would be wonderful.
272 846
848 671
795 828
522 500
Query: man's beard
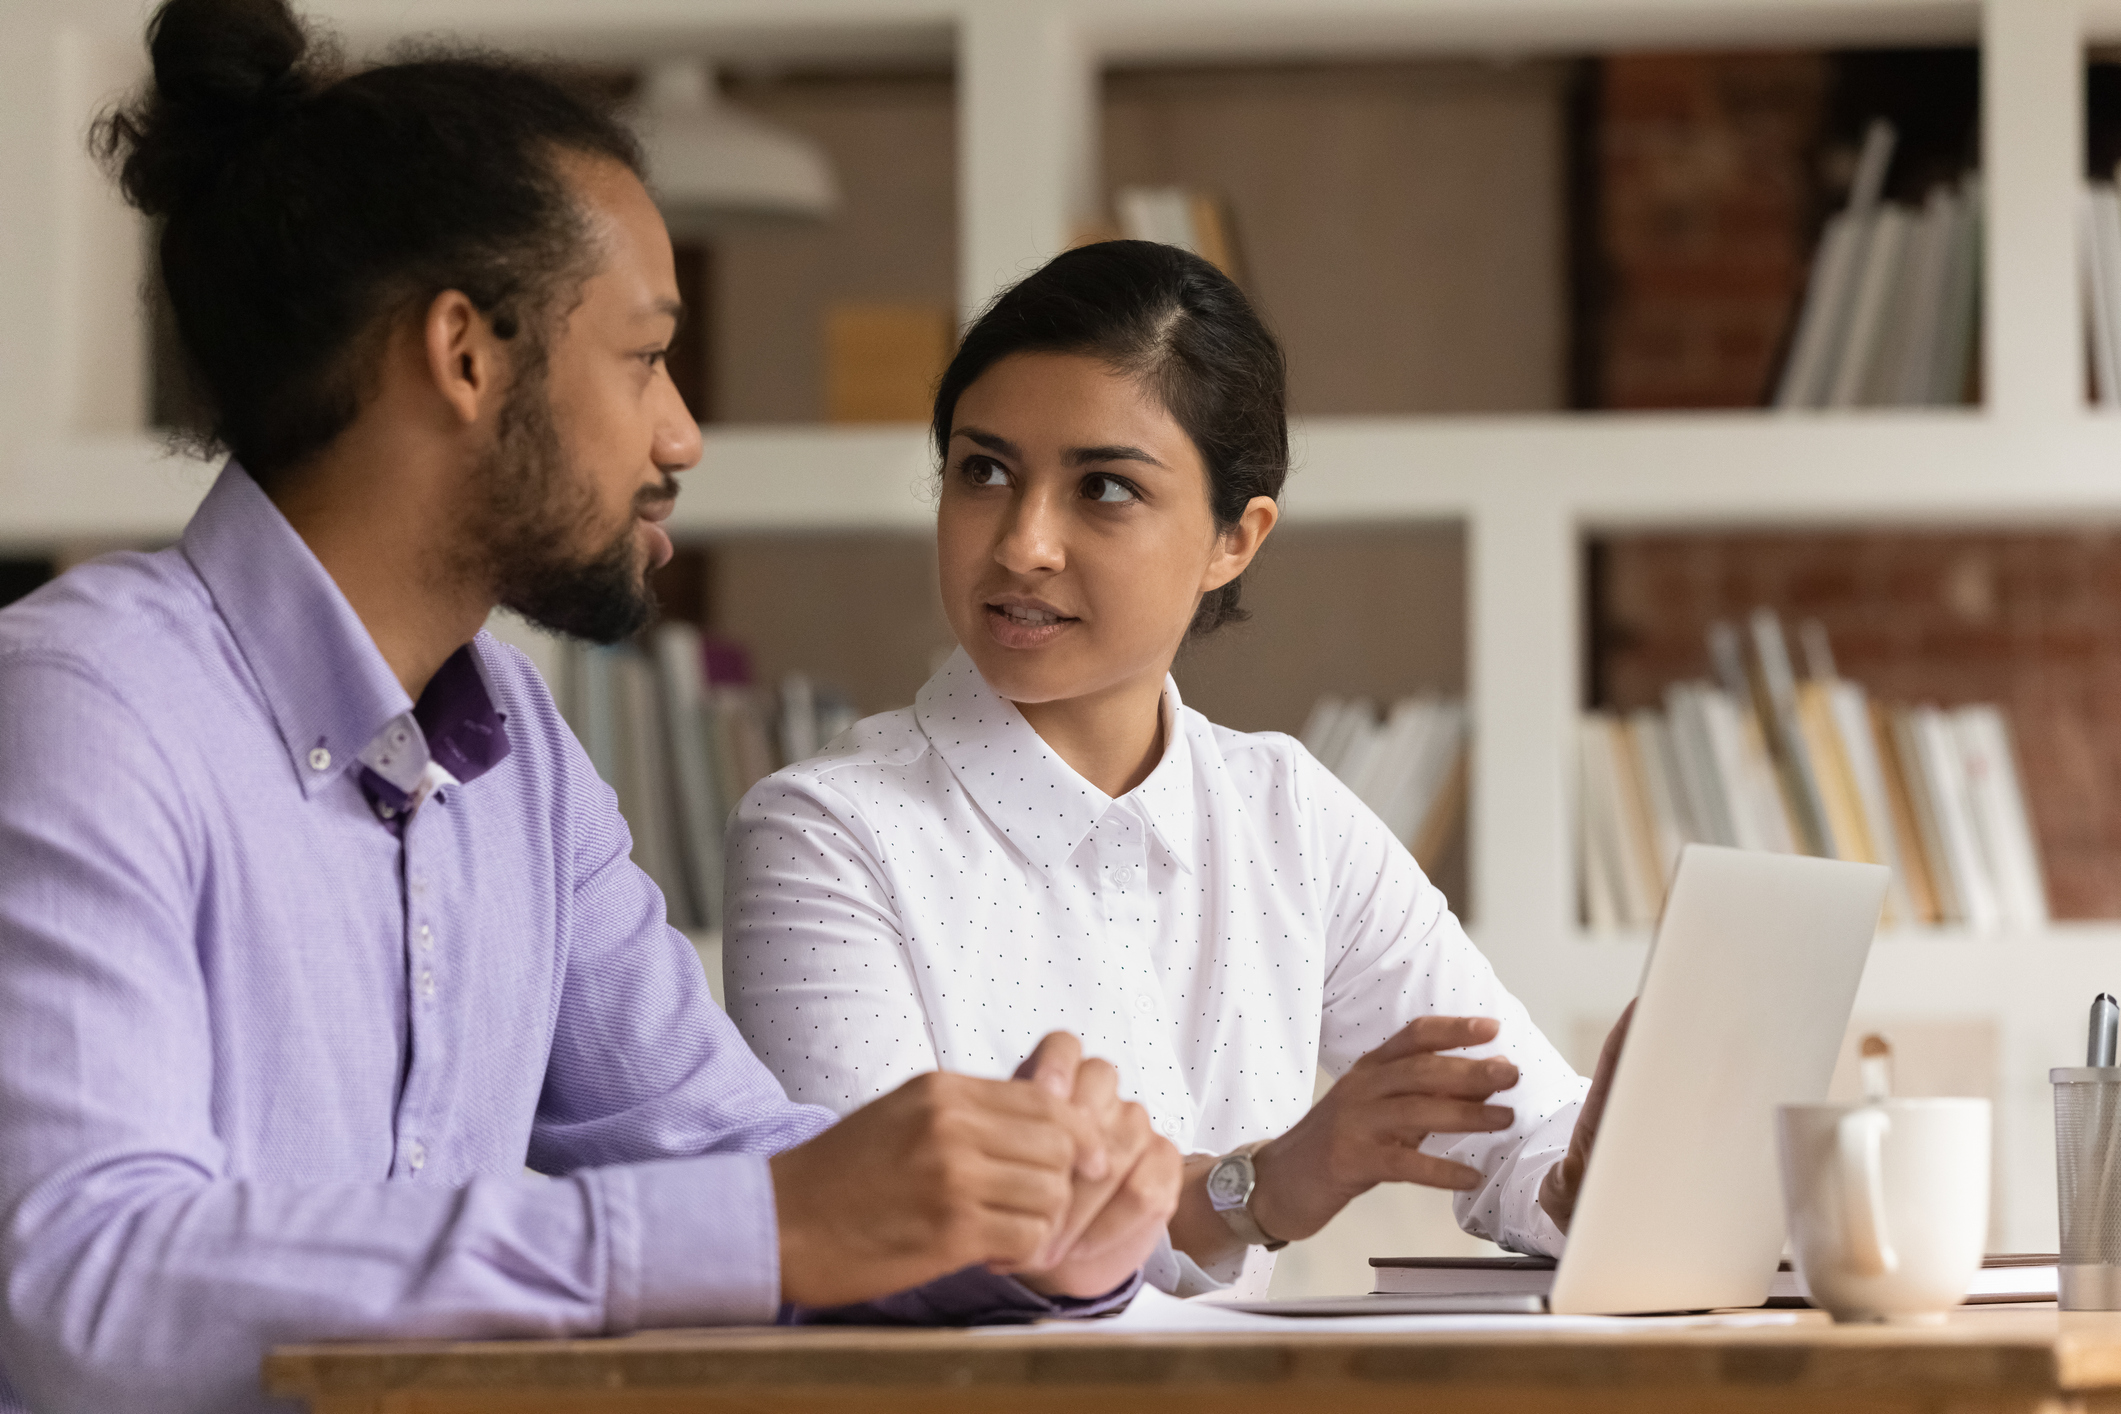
532 505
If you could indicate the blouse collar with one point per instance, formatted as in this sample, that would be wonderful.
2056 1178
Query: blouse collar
1037 799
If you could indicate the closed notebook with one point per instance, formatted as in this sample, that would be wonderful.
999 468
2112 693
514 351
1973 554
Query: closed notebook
2004 1277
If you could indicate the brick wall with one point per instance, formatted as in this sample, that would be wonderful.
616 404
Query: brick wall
2031 620
1705 205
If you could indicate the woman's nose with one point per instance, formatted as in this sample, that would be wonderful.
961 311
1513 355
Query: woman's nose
1031 537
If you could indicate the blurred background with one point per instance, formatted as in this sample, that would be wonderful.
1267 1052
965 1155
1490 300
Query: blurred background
1611 324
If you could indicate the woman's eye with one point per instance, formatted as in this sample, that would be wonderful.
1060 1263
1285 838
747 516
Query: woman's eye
979 471
1108 489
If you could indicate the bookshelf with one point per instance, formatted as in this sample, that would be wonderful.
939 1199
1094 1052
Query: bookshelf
1525 488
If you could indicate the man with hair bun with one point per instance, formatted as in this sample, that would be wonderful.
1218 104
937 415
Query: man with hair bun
316 925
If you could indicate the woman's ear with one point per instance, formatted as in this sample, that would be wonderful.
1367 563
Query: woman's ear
1236 546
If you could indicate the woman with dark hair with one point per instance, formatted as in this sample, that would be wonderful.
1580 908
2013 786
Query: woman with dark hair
1049 832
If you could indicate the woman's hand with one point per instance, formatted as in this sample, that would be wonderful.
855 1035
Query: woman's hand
1559 1190
1366 1128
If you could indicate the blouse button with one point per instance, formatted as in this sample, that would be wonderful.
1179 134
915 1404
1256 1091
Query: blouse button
319 759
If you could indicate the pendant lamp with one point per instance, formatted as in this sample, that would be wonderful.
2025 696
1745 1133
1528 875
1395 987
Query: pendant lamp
714 168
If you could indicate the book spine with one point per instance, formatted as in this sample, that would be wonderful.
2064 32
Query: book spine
1708 807
1999 814
1944 776
1882 255
1603 873
1775 699
1837 786
1638 828
1653 754
1442 749
1916 349
680 672
1851 714
1962 312
1821 316
1446 813
2098 298
2106 242
644 784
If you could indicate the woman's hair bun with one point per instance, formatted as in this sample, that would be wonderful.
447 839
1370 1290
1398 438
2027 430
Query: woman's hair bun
225 71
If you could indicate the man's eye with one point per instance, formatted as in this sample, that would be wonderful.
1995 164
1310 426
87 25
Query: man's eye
1108 489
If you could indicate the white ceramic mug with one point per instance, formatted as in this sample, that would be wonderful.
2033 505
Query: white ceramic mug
1887 1204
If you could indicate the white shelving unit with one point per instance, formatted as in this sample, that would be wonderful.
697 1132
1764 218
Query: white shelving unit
1527 489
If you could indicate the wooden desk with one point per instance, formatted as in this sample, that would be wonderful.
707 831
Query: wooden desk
2021 1359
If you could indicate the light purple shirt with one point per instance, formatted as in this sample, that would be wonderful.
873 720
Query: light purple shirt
271 1071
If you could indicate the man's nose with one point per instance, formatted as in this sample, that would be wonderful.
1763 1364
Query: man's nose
677 437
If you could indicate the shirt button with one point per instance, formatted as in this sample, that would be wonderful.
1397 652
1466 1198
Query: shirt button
1142 1004
416 1156
319 759
427 984
427 938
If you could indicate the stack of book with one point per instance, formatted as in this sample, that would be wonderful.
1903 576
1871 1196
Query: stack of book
1890 309
678 730
2099 244
1410 768
1764 760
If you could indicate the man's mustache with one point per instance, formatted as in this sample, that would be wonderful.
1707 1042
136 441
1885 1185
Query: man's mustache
650 498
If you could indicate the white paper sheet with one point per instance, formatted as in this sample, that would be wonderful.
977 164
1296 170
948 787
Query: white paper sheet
1154 1313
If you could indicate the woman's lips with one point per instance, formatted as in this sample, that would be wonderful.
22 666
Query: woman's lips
1016 627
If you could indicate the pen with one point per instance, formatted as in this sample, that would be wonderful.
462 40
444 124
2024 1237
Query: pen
2106 1022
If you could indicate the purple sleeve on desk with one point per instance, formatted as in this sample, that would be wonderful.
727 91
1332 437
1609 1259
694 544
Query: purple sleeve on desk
694 1242
972 1297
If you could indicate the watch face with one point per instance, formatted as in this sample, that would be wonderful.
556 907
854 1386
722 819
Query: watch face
1230 1182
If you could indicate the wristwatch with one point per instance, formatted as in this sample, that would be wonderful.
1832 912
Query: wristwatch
1230 1185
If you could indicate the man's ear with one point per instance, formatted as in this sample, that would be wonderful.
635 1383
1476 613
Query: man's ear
464 358
1236 546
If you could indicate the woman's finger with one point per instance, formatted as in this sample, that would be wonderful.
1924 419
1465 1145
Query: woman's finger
1413 1166
1460 1077
1438 1033
1412 1121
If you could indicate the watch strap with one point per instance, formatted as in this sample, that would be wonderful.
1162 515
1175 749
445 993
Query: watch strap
1241 1220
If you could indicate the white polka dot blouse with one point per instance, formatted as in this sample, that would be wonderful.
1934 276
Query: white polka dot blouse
940 889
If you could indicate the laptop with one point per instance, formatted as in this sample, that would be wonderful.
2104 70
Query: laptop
1744 1000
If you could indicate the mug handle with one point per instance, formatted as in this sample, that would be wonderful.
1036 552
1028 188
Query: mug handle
1859 1140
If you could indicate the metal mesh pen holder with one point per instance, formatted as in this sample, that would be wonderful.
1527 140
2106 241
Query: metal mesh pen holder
2088 1185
